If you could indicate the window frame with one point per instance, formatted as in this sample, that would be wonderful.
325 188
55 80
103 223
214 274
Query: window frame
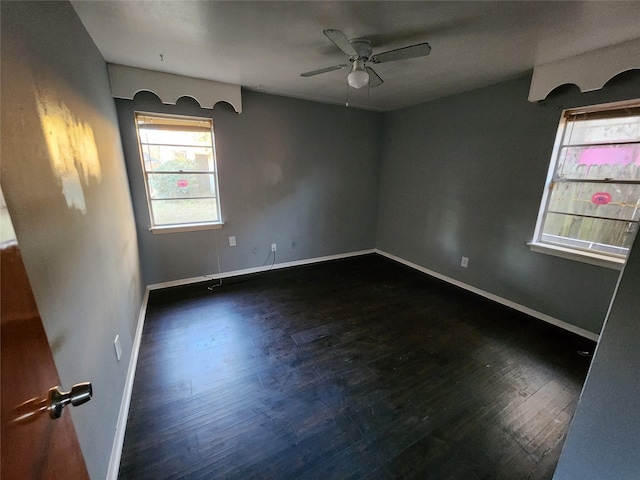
187 226
592 257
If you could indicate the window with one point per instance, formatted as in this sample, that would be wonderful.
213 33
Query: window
591 205
179 165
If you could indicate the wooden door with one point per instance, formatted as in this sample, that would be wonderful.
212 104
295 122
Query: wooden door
34 446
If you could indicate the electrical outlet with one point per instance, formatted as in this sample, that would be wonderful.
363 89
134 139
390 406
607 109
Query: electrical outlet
118 347
465 262
232 241
273 247
254 250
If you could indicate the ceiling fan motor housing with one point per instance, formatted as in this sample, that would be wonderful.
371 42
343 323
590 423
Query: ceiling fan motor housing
363 48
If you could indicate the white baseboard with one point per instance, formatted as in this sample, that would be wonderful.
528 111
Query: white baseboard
503 301
246 271
118 440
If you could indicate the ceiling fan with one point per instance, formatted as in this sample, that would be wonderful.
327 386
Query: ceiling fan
359 51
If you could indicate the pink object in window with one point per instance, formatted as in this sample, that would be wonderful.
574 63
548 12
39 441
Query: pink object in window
609 156
601 198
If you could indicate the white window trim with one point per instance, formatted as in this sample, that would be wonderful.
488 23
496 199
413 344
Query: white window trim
183 227
186 227
577 255
583 256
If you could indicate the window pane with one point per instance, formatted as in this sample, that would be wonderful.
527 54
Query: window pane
612 200
603 130
162 158
616 162
177 185
175 137
588 233
178 158
171 212
593 199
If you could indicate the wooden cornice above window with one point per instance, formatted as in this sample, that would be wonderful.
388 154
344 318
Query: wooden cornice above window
590 71
127 81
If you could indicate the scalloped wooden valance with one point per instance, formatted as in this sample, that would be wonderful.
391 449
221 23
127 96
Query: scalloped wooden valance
590 71
127 81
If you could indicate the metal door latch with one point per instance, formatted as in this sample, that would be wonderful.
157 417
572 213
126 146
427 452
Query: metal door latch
57 400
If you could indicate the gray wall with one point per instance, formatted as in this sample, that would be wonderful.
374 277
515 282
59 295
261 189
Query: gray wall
300 174
459 176
82 260
464 175
603 438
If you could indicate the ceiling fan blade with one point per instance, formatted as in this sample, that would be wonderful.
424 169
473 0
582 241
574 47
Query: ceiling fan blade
374 78
341 41
418 50
324 70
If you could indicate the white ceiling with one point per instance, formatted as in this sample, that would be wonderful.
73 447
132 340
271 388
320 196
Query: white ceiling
265 45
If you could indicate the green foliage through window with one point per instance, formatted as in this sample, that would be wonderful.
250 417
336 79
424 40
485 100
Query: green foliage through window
178 160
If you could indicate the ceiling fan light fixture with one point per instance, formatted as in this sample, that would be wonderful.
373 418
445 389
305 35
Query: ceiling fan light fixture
358 77
359 50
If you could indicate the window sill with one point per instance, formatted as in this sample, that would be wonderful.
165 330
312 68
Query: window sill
584 257
186 227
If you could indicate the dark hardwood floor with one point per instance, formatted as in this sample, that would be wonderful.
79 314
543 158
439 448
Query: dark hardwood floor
356 368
